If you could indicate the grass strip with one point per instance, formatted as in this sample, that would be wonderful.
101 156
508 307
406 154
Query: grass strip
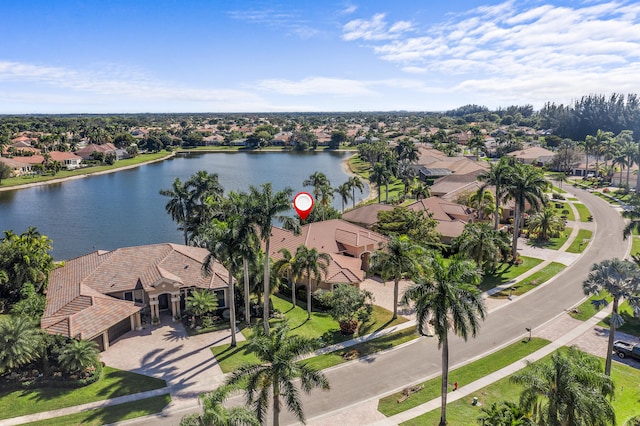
507 272
631 322
112 414
581 242
586 309
113 383
583 211
635 245
461 412
531 282
469 373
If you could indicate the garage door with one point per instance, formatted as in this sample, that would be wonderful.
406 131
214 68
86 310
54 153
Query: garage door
99 342
119 329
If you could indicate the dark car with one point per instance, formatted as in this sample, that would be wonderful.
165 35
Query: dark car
626 349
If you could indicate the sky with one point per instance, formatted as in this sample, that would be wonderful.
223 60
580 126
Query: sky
104 56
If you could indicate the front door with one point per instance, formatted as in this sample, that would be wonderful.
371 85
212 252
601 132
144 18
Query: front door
163 302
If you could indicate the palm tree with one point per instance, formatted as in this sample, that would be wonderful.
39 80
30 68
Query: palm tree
634 224
20 343
497 176
397 261
504 413
380 174
483 244
600 140
214 413
78 355
287 265
524 184
546 223
310 263
629 150
567 390
279 367
344 191
201 302
407 151
268 206
179 205
588 144
620 279
420 191
449 299
318 180
354 183
483 201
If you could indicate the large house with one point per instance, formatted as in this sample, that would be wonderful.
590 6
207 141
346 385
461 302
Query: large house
101 295
350 247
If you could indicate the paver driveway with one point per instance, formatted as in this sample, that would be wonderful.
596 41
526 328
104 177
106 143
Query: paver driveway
167 352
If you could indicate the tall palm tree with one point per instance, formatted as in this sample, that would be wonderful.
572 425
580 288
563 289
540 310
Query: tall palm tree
380 174
483 244
287 266
629 150
276 372
20 342
450 300
600 140
214 412
588 145
525 184
344 191
397 261
354 183
567 390
317 180
78 355
268 206
311 263
546 223
179 205
497 176
620 279
483 201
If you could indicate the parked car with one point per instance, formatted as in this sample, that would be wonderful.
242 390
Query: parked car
626 349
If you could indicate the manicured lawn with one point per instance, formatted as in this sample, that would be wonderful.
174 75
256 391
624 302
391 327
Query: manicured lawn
362 168
109 415
21 180
631 323
506 272
579 244
586 309
469 373
321 327
565 207
553 243
112 384
532 281
583 211
461 412
635 245
572 199
363 349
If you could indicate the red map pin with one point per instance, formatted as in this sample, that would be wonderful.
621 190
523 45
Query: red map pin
303 203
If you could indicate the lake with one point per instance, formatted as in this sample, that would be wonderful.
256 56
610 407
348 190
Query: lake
125 208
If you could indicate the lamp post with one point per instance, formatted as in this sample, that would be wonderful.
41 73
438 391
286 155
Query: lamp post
529 330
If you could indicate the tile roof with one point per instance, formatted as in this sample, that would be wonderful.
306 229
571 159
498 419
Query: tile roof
77 294
366 215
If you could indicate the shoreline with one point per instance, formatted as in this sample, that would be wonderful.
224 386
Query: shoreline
84 175
372 188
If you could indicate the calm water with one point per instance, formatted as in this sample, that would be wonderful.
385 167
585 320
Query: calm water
125 209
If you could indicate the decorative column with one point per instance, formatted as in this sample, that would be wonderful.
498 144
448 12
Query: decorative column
153 303
175 305
138 321
105 340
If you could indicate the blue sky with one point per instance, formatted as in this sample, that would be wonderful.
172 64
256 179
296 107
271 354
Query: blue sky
102 56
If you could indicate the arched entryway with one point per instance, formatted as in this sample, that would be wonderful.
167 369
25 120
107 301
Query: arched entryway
365 260
163 302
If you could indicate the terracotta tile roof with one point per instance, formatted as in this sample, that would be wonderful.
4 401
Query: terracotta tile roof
13 163
61 156
366 215
532 153
77 296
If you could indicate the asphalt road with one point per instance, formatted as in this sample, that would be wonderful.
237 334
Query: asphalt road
383 373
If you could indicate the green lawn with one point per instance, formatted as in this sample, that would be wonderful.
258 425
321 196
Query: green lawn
363 349
112 384
565 207
579 244
635 245
112 414
572 199
553 243
461 412
321 327
532 281
631 323
22 180
506 272
583 211
469 373
361 168
586 309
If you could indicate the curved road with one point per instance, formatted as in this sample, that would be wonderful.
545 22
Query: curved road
380 374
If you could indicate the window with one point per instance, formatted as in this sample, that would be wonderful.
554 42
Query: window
128 295
220 296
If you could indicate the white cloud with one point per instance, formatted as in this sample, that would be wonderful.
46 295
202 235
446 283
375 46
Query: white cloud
375 28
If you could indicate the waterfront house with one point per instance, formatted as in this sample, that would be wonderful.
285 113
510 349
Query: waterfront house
102 295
